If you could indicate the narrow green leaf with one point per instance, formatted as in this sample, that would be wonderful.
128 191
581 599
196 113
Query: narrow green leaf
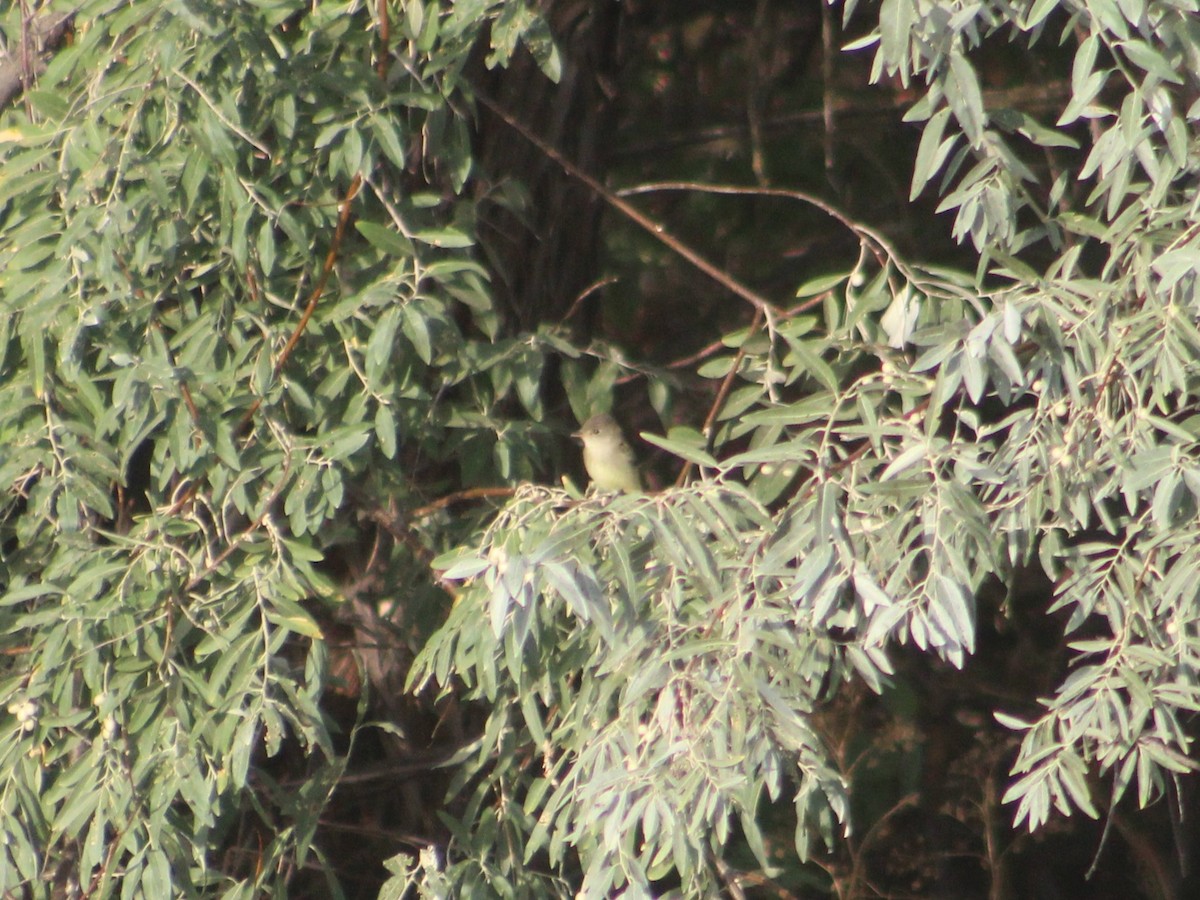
686 443
386 239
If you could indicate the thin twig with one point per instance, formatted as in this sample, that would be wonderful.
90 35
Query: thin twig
224 119
245 533
875 831
719 400
879 244
461 497
587 292
652 227
140 294
318 289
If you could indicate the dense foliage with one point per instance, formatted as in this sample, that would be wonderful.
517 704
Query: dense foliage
255 378
202 359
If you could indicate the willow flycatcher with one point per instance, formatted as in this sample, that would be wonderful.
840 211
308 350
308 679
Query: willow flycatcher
607 457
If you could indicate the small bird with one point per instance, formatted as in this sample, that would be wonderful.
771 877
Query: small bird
607 457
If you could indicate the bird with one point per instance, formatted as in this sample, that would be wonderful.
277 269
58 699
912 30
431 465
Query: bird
607 456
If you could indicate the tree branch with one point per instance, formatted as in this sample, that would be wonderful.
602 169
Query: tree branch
47 32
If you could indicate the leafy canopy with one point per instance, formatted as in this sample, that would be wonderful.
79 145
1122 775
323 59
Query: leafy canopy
239 293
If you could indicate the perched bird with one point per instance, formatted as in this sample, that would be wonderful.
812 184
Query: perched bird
607 456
